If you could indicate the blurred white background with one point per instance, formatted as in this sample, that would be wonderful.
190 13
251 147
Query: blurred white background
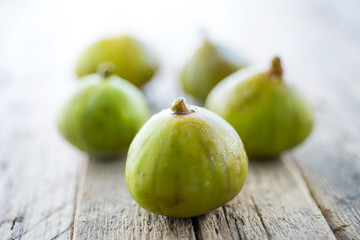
51 34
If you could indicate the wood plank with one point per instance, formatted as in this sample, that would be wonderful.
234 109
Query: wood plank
330 159
330 163
236 220
38 172
38 169
284 203
107 211
275 204
320 46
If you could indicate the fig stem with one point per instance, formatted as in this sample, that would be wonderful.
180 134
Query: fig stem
276 68
180 107
106 69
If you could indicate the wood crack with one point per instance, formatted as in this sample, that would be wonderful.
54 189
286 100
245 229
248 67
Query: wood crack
340 229
323 211
61 233
17 219
226 219
78 192
44 218
60 208
195 228
261 218
228 224
17 228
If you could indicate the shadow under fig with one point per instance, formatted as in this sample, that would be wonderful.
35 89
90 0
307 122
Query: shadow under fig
108 158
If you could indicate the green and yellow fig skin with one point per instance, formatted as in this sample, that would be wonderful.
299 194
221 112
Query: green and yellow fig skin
133 60
185 161
269 116
104 116
207 67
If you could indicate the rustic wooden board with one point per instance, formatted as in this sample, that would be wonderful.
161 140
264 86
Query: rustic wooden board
38 173
330 165
275 204
323 65
107 211
330 159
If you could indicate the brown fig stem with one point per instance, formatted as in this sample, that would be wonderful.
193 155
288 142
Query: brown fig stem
276 68
106 69
180 107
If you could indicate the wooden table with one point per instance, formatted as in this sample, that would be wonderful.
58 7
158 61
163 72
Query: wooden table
49 190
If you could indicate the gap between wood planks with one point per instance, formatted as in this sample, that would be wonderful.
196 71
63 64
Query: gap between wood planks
193 222
258 212
261 219
312 193
78 192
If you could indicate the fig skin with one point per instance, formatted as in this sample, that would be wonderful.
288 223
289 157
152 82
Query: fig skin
207 67
104 116
269 115
185 162
133 60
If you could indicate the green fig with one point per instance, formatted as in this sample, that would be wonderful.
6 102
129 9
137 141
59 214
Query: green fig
133 60
269 115
185 161
105 115
207 67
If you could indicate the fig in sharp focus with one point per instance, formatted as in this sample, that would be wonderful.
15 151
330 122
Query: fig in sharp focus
104 116
185 161
208 66
133 60
269 116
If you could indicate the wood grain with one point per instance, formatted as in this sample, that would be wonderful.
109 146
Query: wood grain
330 159
275 204
236 220
318 43
107 211
38 173
330 165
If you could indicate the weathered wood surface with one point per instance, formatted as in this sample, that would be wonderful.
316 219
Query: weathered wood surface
275 204
330 165
38 173
324 67
311 192
107 211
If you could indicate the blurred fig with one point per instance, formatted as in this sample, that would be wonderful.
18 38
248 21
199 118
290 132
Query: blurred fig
104 116
133 60
208 66
185 161
269 116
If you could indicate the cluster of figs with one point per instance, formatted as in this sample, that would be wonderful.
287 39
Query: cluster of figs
185 160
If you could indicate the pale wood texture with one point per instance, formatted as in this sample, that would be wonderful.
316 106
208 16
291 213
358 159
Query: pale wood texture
38 173
107 210
330 165
275 204
326 70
